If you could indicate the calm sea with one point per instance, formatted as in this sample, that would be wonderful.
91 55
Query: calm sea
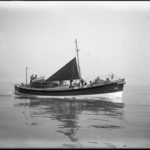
55 123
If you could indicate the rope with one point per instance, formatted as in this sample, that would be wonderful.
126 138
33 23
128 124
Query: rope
97 61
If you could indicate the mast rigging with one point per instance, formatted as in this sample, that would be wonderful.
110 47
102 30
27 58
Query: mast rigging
77 50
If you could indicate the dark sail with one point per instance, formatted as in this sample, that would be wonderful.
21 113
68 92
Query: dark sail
67 72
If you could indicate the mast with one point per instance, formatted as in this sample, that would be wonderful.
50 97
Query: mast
77 50
26 76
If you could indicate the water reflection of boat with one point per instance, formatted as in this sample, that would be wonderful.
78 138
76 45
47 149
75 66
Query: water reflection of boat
58 84
68 113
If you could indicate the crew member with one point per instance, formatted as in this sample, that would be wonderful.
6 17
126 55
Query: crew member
31 78
112 76
71 83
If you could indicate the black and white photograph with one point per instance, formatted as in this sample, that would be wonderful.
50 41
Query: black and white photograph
74 74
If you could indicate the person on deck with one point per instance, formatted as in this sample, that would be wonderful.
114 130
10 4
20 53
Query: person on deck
90 82
70 83
31 78
112 76
82 82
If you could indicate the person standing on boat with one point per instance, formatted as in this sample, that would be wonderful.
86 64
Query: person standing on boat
31 78
107 79
90 82
112 76
82 82
71 83
35 77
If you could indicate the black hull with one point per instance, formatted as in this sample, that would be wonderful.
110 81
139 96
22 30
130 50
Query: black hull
92 90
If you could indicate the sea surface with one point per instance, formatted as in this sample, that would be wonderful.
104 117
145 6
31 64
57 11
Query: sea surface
61 123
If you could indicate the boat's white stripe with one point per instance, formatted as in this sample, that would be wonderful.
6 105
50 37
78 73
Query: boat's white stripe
115 97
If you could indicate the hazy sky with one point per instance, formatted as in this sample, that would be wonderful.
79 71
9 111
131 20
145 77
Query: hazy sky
112 37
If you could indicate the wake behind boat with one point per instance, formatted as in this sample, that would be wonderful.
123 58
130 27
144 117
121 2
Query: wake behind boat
67 82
